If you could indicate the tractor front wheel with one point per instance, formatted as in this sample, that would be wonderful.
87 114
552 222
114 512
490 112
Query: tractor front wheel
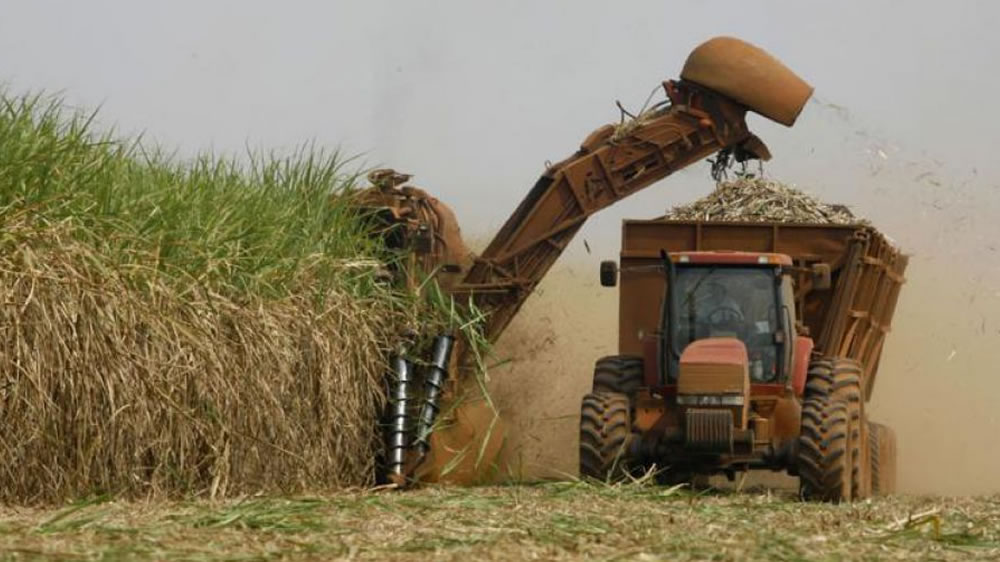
605 432
825 450
839 379
622 374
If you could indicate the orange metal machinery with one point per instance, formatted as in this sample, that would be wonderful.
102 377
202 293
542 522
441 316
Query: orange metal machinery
704 114
760 354
722 79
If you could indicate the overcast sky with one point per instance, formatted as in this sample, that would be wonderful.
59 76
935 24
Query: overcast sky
473 97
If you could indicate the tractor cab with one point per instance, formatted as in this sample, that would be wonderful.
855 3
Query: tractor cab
723 371
736 295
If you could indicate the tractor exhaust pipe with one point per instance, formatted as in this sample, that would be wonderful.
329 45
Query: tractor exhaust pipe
437 374
399 416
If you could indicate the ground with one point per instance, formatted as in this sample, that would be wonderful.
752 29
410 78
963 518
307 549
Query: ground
552 521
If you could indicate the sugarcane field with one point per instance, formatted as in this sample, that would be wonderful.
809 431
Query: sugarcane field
498 281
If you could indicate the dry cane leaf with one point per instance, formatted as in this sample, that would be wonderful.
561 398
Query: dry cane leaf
762 200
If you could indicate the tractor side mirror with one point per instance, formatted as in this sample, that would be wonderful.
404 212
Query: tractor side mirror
609 273
821 276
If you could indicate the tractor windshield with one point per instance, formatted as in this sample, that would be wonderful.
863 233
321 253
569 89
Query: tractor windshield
730 301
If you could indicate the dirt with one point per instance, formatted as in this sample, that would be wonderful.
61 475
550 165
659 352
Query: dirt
552 521
937 386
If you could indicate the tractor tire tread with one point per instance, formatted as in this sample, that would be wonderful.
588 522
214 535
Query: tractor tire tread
605 429
823 447
837 378
622 374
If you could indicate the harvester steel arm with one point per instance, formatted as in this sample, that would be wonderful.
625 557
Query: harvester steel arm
612 164
721 79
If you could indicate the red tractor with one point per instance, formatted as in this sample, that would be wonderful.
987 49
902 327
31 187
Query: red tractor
746 346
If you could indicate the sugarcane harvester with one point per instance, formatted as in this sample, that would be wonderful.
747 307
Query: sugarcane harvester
703 115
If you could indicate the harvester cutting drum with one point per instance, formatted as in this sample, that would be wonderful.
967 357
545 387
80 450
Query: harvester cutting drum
693 389
408 435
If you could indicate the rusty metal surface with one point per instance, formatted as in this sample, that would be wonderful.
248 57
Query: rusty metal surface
611 165
749 75
422 228
785 418
464 450
705 114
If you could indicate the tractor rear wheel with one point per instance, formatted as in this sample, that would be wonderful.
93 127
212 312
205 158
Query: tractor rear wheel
837 378
882 454
824 459
618 373
605 431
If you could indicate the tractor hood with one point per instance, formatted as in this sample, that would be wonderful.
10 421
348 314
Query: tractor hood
714 373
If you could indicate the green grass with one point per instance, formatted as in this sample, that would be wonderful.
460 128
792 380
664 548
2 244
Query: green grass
558 521
266 224
213 326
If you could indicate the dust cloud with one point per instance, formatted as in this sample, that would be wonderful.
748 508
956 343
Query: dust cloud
938 384
550 348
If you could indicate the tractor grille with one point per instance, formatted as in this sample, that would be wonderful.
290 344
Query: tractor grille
709 431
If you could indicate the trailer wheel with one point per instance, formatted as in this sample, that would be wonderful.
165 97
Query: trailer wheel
837 378
882 453
605 430
622 374
824 459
